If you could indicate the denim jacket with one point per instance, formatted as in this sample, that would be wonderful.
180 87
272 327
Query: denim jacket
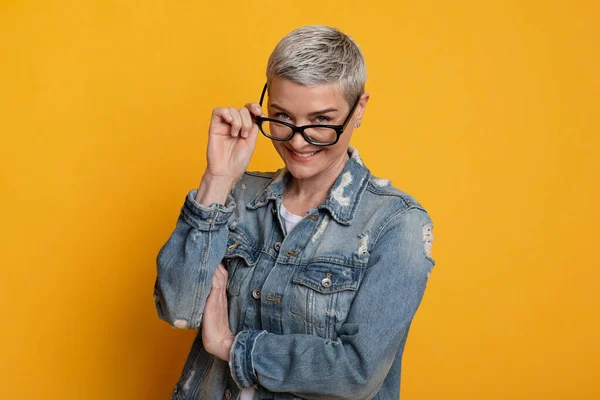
322 313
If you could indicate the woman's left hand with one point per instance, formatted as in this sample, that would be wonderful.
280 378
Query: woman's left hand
216 335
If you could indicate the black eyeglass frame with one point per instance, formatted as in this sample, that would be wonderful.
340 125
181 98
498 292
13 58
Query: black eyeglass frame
339 129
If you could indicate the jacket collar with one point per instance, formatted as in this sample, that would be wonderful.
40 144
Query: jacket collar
343 198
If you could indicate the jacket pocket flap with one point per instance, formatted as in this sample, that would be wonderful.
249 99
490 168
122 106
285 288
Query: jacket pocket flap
329 278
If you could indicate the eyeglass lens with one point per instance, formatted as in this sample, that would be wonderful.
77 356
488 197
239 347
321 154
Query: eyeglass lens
281 131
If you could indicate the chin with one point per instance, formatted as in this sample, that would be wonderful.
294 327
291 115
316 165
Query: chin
301 171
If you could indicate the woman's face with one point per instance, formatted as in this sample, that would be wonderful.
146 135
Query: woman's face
302 105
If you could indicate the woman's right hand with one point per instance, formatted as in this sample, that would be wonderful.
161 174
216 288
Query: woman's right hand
231 141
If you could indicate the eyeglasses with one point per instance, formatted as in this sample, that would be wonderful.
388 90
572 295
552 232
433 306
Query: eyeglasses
318 135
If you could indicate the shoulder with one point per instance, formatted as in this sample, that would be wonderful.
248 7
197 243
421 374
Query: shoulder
384 207
397 217
381 190
258 179
251 183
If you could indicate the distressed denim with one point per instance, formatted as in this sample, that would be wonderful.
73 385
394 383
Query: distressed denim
322 313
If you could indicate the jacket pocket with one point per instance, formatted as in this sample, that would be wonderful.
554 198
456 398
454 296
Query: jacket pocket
322 293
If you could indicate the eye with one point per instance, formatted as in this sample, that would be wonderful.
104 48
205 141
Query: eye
323 119
281 115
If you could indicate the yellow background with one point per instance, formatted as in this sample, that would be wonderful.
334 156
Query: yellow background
487 112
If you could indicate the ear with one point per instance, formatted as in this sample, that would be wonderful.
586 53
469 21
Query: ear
360 108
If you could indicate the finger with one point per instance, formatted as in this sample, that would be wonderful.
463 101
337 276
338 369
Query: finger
251 139
236 123
221 275
218 279
253 134
217 282
223 281
223 270
246 121
254 108
221 114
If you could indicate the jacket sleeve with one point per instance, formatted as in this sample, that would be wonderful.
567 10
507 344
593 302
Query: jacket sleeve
187 261
354 365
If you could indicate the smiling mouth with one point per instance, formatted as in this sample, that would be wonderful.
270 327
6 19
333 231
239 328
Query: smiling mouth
303 155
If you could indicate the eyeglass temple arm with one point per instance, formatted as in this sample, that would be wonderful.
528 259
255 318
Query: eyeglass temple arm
351 113
262 95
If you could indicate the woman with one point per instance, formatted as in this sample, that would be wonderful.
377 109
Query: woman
303 282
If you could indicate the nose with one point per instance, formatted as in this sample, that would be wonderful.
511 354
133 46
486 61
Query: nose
297 141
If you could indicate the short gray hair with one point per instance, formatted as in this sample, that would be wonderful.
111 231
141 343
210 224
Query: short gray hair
319 54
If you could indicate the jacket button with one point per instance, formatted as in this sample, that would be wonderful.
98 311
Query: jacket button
256 293
326 282
277 246
227 394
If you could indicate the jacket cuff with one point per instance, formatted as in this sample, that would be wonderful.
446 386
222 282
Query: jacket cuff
241 363
209 218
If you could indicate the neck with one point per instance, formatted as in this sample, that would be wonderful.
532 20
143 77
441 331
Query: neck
304 194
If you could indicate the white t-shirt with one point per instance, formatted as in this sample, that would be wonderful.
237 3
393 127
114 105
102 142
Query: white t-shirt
289 222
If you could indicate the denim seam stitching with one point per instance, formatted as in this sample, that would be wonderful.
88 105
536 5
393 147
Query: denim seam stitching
200 286
232 364
378 233
259 174
252 357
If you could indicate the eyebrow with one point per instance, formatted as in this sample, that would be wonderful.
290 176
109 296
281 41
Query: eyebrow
325 111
